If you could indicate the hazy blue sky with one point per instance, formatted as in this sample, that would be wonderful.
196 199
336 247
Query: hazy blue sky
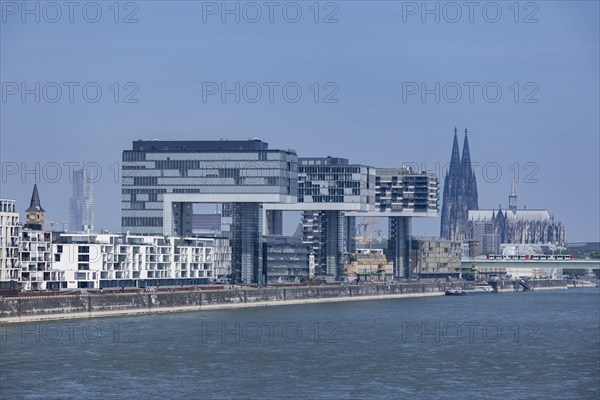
370 58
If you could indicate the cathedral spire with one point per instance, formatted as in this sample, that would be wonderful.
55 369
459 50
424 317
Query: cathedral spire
455 158
451 183
512 198
466 156
468 176
460 193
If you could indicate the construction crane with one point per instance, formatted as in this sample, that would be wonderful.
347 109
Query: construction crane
362 231
365 237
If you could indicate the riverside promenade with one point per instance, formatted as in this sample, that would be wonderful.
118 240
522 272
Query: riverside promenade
90 304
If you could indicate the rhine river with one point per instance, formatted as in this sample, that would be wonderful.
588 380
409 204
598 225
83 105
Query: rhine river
542 345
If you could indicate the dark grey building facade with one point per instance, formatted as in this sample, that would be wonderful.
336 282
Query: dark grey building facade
285 260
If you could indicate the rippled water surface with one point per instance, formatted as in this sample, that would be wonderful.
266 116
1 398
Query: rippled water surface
508 346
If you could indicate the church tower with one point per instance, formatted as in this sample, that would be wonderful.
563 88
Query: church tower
451 190
460 194
512 198
34 215
469 182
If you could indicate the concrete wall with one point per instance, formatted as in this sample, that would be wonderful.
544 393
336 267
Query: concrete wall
507 285
12 307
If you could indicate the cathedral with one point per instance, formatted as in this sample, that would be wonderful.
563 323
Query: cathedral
526 226
460 194
463 221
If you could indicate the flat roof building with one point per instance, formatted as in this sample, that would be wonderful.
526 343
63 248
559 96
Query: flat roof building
163 179
286 260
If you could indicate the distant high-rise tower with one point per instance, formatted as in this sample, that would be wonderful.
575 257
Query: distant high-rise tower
34 215
460 193
81 204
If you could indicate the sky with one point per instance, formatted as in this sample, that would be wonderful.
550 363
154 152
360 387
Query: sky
382 83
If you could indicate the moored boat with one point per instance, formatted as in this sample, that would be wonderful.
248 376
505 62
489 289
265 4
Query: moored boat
480 288
455 292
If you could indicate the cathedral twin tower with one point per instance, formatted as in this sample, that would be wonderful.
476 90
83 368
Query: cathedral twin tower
460 193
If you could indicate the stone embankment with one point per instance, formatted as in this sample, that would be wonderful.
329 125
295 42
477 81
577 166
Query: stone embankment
86 305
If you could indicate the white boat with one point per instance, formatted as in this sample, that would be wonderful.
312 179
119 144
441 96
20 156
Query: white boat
480 288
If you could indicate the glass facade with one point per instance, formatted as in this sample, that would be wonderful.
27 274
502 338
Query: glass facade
399 245
402 189
153 169
81 204
163 179
328 233
246 242
285 260
334 180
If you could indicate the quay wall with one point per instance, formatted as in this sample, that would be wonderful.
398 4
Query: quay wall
536 284
51 307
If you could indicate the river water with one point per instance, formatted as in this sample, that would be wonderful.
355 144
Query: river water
542 344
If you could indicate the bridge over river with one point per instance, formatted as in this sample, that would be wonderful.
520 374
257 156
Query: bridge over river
523 266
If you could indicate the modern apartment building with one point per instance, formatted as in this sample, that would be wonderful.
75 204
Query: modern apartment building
255 186
286 260
113 260
436 258
35 259
163 179
10 231
402 193
328 186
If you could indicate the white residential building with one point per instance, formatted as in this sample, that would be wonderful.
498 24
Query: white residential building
222 259
10 229
35 258
113 260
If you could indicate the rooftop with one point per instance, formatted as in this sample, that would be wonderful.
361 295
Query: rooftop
323 160
199 145
519 215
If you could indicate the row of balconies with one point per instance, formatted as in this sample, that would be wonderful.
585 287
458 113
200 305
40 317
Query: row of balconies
34 268
32 276
120 275
41 258
193 274
35 246
159 274
11 252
